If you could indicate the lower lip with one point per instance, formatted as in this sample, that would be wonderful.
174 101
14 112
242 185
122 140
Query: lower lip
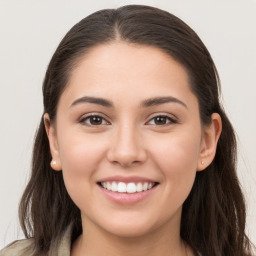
127 198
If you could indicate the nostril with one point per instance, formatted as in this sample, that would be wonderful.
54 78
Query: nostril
127 151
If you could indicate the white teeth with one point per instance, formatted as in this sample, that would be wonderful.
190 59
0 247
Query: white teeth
139 187
150 185
145 186
121 187
130 187
114 186
108 186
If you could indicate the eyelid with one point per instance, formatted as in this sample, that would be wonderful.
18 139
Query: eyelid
173 120
88 115
170 117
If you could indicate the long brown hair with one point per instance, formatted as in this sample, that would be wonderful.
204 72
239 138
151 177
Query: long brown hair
213 216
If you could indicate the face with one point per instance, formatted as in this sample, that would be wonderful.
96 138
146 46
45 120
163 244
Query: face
128 121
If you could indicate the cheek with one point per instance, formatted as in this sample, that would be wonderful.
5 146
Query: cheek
80 152
80 156
178 149
180 155
177 158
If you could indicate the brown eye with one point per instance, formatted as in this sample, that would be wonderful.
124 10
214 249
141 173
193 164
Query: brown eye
161 120
94 120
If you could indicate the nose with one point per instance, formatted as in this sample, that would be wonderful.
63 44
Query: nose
126 147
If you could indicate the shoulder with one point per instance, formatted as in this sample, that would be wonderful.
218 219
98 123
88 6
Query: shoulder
19 248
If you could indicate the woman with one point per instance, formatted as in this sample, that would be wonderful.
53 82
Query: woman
134 154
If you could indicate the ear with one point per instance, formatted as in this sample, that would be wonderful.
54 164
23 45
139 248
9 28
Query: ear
51 133
210 137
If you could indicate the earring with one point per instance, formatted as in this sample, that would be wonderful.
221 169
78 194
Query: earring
54 162
202 162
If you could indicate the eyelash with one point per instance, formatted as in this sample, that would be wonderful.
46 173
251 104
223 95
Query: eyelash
167 118
89 117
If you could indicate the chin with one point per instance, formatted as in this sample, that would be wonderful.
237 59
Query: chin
132 226
130 230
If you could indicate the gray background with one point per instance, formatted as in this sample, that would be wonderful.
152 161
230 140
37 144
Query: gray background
31 30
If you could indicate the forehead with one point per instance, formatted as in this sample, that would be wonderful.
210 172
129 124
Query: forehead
131 70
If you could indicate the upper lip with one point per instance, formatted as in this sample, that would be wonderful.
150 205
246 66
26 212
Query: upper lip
127 179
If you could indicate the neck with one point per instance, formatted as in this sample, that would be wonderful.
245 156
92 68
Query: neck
95 242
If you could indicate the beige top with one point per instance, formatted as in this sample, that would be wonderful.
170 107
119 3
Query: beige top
25 247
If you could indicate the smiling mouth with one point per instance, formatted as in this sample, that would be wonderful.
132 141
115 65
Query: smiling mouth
130 188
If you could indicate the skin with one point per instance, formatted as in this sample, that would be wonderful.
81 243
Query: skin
128 141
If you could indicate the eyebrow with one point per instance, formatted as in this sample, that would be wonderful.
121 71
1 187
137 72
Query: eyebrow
146 103
161 100
94 100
